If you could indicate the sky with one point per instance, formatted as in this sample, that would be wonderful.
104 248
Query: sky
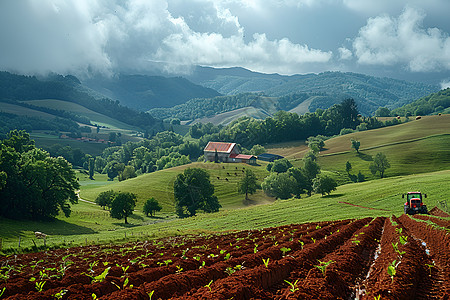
398 38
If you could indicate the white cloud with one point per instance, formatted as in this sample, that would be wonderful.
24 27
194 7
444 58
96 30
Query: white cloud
344 53
86 36
390 41
445 84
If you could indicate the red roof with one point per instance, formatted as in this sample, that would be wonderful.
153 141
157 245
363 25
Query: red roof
220 147
241 156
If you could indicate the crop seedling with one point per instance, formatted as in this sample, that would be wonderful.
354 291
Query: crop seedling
101 277
395 246
2 291
403 239
94 296
255 249
266 262
40 286
150 295
313 239
301 243
391 270
294 287
202 265
323 266
356 242
430 266
209 285
179 269
227 256
377 297
285 250
60 294
125 284
230 270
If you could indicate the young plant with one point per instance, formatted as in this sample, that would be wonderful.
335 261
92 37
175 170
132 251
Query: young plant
101 277
40 286
395 246
179 269
285 250
429 267
403 239
150 295
323 266
202 265
294 287
266 262
391 270
301 243
255 249
209 285
60 294
94 296
2 291
227 256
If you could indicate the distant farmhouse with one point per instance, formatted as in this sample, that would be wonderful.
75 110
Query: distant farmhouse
226 152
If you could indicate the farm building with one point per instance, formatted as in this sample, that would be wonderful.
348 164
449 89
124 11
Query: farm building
226 152
269 157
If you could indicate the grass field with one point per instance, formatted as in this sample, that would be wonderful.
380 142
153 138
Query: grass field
89 223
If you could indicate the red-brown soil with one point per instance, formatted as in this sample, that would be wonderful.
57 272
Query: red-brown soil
345 259
439 212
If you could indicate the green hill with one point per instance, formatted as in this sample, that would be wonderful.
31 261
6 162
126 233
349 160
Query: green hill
144 92
369 92
432 104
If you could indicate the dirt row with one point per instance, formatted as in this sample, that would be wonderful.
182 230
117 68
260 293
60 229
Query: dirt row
389 258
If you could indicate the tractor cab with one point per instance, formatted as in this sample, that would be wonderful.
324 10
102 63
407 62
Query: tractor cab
414 204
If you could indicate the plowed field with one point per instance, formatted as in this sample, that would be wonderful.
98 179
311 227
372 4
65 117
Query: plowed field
389 258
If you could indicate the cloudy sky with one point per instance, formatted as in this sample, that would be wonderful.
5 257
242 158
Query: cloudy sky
85 37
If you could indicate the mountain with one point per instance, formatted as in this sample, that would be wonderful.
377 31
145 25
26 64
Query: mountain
369 92
16 89
143 92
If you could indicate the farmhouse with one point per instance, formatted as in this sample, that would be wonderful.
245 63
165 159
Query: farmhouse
226 152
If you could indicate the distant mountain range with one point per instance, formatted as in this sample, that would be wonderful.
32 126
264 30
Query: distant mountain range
214 94
144 92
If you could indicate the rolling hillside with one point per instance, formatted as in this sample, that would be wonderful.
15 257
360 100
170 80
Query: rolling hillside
144 92
369 92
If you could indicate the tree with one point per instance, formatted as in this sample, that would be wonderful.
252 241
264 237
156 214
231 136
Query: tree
302 182
279 185
382 112
279 165
257 150
104 199
348 167
355 145
128 172
151 206
380 164
248 184
35 185
122 206
193 191
324 184
91 168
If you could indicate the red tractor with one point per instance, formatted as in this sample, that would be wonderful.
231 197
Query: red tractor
414 204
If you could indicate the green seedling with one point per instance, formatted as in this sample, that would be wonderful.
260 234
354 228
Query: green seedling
403 239
101 277
223 251
94 296
2 291
395 246
202 265
227 256
40 286
92 265
209 285
285 250
4 276
125 284
377 297
230 270
323 266
301 243
60 294
391 270
179 269
429 267
167 262
356 242
293 286
266 262
150 295
255 249
313 239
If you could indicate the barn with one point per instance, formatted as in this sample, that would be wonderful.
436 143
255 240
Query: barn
226 152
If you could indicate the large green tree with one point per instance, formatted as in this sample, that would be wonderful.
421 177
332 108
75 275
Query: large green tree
105 198
279 185
380 164
324 184
151 206
193 191
248 184
36 186
122 206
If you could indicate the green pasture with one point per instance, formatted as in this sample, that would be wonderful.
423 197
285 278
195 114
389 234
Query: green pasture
91 224
77 109
160 185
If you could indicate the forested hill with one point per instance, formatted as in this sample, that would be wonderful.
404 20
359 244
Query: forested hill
144 92
369 92
15 88
432 104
